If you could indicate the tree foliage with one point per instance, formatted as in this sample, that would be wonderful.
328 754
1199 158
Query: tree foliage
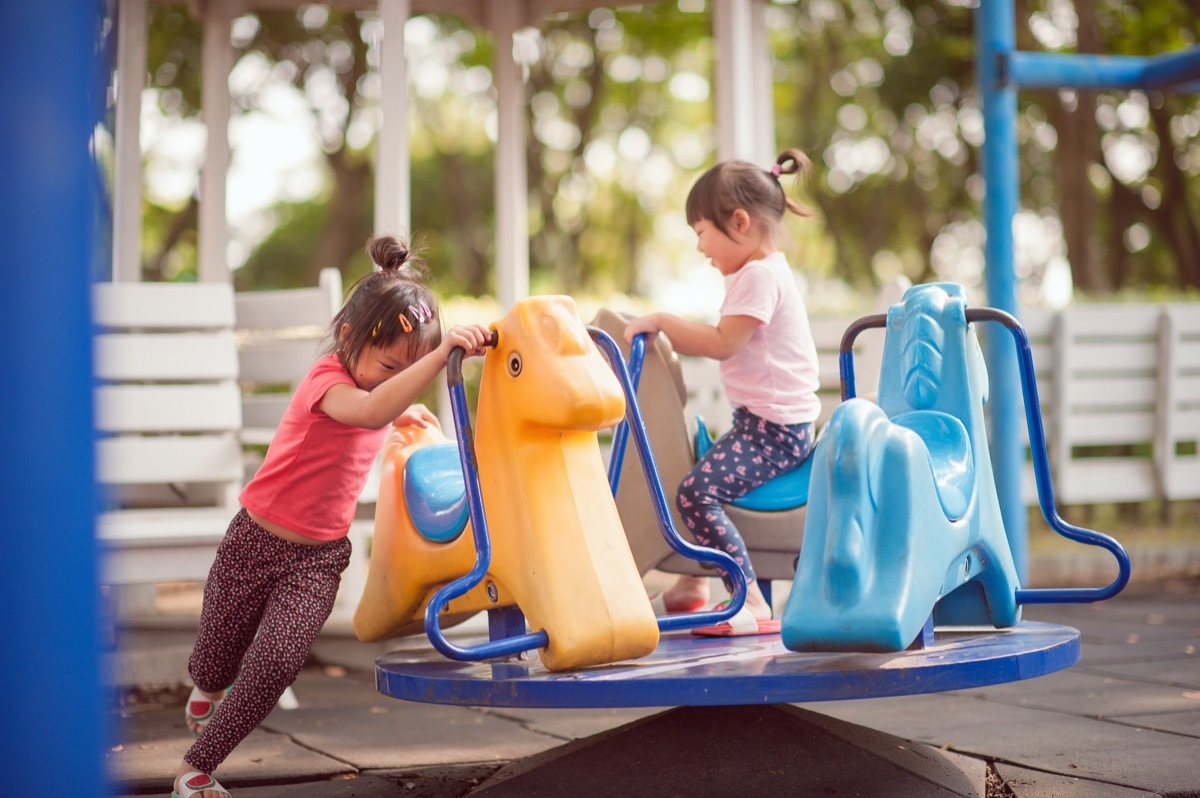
880 92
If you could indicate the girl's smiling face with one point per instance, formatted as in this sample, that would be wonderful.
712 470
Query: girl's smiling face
728 254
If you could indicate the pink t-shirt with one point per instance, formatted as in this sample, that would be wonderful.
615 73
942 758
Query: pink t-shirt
315 467
775 374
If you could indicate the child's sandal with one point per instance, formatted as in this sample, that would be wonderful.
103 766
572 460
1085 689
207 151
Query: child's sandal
194 782
199 709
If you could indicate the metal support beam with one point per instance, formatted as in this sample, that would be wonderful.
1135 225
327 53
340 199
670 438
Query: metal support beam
1081 71
995 39
54 700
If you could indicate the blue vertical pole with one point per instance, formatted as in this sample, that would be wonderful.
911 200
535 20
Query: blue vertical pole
995 40
51 696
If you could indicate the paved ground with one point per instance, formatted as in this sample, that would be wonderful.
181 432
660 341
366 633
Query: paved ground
1123 723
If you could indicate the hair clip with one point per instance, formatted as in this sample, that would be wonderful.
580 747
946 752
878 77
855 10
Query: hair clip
378 327
776 170
425 309
404 323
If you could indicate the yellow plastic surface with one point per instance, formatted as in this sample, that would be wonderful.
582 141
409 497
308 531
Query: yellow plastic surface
558 547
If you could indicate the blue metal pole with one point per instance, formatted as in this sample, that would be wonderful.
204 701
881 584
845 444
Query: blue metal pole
51 700
995 40
1083 71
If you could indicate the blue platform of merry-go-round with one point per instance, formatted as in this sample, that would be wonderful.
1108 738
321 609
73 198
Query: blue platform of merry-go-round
904 585
686 670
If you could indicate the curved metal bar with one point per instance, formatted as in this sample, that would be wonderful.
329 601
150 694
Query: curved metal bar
633 414
846 350
1041 471
483 546
637 358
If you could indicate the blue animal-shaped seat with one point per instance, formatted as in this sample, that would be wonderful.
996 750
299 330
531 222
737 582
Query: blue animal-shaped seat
903 519
950 456
785 492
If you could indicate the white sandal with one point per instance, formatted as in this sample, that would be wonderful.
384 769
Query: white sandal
199 708
194 782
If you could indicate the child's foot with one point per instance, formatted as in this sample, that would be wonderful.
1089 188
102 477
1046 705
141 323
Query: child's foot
194 784
756 604
200 707
688 594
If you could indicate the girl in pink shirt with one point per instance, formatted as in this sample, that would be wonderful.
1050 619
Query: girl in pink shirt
277 571
767 357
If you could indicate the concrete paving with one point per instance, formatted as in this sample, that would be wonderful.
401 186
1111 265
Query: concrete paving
1122 723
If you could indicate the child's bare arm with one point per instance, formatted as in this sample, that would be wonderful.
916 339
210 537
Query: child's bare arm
693 338
377 408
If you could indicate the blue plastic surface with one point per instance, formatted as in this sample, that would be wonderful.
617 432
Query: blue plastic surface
435 492
903 516
689 671
785 492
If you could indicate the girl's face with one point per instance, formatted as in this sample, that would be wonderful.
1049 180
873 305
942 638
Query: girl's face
728 254
377 364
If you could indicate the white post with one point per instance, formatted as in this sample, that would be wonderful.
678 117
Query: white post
745 113
393 198
127 171
217 57
512 195
763 81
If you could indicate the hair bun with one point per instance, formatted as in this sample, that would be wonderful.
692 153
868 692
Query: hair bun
389 253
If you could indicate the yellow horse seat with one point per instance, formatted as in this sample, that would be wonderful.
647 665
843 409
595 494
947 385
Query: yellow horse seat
950 457
436 492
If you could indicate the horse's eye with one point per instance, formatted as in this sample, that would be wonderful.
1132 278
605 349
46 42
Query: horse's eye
514 364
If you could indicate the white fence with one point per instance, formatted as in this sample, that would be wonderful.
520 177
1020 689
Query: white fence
1119 386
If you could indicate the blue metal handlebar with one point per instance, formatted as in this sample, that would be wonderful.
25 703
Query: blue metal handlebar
633 421
483 547
637 358
1037 448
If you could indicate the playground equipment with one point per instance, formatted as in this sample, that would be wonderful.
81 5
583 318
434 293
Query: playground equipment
770 518
556 553
943 471
902 503
904 527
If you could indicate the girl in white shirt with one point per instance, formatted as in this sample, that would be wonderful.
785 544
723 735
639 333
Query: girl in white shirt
767 357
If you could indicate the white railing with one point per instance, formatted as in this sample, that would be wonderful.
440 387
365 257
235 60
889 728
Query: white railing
1119 386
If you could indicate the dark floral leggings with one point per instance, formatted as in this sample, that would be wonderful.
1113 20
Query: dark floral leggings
752 452
264 603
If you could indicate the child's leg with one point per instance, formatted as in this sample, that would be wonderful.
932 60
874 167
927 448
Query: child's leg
754 451
234 597
305 580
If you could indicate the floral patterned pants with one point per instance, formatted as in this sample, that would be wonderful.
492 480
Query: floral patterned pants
752 452
264 603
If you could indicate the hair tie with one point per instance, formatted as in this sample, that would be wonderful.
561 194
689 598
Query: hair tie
776 170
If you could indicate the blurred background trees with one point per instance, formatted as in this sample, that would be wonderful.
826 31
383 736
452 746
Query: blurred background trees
620 123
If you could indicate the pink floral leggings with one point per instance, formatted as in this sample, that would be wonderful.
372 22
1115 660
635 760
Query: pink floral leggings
264 603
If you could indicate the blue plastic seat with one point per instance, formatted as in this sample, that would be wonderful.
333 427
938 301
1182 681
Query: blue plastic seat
436 492
785 492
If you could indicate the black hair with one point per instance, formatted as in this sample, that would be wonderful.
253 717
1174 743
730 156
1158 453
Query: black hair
386 306
739 184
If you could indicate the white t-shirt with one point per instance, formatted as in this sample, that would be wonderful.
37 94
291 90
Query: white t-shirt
775 374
